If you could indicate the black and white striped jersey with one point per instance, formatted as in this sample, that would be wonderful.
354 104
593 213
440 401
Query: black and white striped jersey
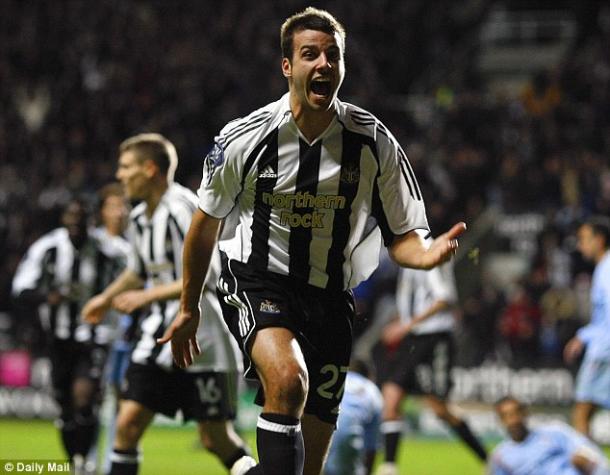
305 209
112 245
417 290
156 256
52 263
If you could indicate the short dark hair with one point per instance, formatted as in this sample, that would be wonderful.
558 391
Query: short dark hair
600 225
309 19
106 191
505 399
154 147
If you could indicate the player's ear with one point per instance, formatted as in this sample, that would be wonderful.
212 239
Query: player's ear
150 168
286 68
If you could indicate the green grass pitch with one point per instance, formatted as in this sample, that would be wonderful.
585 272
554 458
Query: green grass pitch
169 450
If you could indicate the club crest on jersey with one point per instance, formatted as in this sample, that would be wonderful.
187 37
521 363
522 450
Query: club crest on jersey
350 174
268 306
214 160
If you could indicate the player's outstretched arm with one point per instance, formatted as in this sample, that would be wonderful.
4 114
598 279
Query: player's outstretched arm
410 250
131 300
199 245
97 306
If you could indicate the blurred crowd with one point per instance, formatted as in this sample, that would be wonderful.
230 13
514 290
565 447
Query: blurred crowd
79 77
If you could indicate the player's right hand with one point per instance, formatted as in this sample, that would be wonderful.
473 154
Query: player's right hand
94 310
394 332
183 335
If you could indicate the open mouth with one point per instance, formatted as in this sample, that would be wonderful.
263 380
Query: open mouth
321 87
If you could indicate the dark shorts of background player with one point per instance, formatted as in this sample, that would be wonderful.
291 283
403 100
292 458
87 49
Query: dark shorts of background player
421 364
320 319
201 396
71 360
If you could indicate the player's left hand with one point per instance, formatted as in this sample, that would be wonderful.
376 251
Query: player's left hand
183 335
572 350
443 247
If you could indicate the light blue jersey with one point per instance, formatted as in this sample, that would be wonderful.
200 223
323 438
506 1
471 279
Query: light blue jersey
593 381
596 335
546 450
357 427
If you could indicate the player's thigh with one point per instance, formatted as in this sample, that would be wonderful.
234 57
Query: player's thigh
132 421
316 437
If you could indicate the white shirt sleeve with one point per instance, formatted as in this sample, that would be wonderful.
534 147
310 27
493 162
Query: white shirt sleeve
134 262
401 199
30 269
221 182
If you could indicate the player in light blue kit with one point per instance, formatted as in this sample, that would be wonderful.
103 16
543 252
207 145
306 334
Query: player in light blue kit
354 444
555 449
593 381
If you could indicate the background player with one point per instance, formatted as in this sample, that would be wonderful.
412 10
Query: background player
593 381
58 274
417 355
552 449
112 215
153 279
303 175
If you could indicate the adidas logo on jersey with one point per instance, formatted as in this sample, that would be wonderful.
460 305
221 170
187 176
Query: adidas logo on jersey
268 173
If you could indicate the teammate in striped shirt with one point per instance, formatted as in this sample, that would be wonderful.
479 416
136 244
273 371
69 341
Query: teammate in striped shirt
60 271
418 355
153 281
315 186
112 215
593 380
553 449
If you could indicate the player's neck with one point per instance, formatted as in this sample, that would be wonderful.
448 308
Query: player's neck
601 255
521 436
112 230
154 197
311 123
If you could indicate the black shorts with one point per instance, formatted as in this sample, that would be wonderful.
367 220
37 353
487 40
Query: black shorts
321 321
201 396
420 365
72 360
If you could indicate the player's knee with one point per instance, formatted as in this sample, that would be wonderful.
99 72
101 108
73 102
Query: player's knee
85 414
290 386
391 409
445 416
391 413
83 394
